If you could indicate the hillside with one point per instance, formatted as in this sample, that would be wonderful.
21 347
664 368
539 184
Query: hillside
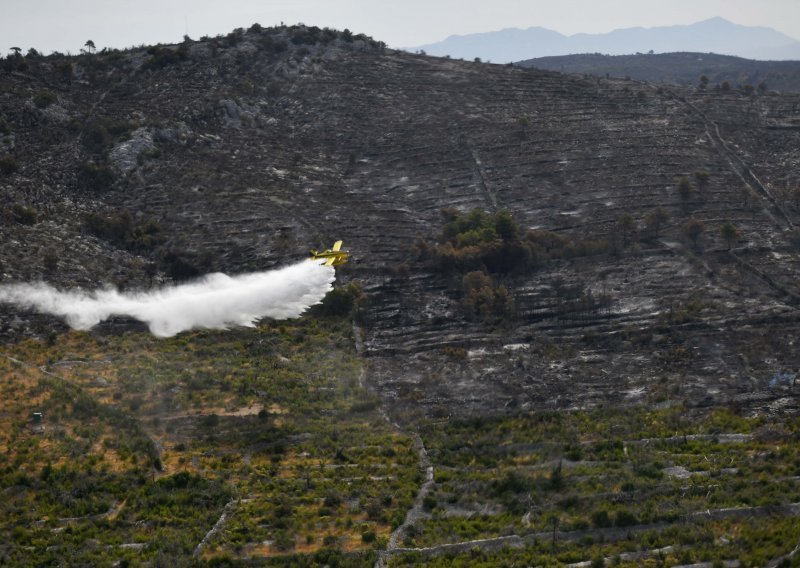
578 302
680 69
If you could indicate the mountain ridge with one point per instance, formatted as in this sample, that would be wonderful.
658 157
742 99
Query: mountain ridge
681 68
716 35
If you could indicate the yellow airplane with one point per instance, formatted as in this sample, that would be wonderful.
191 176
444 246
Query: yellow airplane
333 256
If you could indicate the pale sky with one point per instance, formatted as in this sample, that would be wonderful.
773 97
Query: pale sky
65 25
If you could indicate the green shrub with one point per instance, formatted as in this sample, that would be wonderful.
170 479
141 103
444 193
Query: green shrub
730 233
50 261
601 519
511 483
273 45
162 56
96 138
121 229
304 35
24 215
64 70
180 480
235 37
556 481
8 165
95 177
493 242
179 266
340 302
332 499
484 300
625 519
693 229
44 99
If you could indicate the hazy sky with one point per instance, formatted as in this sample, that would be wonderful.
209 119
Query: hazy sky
65 25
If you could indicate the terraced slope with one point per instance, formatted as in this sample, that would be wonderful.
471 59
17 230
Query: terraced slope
244 154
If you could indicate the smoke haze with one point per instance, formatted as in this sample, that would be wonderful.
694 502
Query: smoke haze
216 301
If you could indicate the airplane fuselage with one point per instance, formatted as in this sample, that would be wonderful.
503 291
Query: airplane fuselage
333 256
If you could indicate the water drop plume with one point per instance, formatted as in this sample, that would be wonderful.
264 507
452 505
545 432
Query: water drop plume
216 301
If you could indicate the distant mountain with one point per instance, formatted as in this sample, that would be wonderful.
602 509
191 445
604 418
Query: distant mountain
715 35
679 69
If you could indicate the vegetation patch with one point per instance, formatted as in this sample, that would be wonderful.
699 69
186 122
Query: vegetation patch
95 177
575 485
44 99
122 230
140 444
494 242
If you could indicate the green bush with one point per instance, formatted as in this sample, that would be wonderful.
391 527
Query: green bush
8 165
625 519
162 56
96 138
179 265
272 44
122 230
306 35
44 99
484 300
601 519
340 302
511 483
24 215
493 242
64 71
94 177
50 261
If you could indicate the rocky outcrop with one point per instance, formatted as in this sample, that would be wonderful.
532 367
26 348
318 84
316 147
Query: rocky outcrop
126 155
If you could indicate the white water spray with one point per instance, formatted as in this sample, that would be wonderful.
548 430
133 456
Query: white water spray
216 301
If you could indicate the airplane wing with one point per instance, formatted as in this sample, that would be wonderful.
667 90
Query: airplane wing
337 246
330 261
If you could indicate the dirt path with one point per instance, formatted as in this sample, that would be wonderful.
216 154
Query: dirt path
226 512
416 510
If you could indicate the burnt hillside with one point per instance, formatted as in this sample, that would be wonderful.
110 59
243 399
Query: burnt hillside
681 68
242 152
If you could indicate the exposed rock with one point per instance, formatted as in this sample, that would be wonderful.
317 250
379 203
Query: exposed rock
125 155
52 113
231 108
180 133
